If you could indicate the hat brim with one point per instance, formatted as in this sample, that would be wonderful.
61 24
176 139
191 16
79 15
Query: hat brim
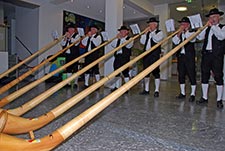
123 29
220 13
183 21
153 21
94 27
70 27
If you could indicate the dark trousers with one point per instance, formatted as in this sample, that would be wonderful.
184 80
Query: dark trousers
74 67
186 66
119 61
149 60
89 59
212 62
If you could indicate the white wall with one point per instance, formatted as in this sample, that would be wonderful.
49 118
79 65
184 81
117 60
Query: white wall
27 32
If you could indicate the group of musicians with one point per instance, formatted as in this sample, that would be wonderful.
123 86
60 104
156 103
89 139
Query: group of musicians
212 55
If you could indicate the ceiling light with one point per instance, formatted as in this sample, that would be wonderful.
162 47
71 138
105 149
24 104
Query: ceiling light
181 8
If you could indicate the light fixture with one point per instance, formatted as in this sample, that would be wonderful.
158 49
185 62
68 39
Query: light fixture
181 8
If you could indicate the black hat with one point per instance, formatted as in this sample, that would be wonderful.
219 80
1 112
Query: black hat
70 25
153 19
94 26
123 28
184 20
214 11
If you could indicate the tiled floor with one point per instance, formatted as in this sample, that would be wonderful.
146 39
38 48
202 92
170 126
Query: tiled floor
135 122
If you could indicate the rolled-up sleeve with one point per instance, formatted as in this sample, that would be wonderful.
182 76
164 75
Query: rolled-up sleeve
143 39
97 41
84 41
114 42
188 34
157 37
201 36
63 42
218 32
77 37
176 40
129 45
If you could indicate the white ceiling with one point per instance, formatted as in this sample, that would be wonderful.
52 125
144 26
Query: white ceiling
131 13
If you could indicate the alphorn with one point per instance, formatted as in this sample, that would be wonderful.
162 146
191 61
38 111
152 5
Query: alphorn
48 46
32 103
52 140
17 80
17 125
28 87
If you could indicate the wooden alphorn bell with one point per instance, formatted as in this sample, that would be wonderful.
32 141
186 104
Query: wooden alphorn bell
28 87
49 142
48 46
13 127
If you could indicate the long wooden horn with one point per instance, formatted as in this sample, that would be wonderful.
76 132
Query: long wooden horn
48 46
18 125
32 103
49 142
28 87
17 80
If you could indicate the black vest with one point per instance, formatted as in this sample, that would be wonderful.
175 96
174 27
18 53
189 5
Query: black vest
74 50
189 48
125 51
157 51
94 55
91 43
218 46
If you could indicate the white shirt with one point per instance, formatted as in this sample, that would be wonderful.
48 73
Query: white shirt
122 40
176 40
72 40
97 41
215 30
155 37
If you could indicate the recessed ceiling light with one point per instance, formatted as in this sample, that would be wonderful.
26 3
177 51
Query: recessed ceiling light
181 8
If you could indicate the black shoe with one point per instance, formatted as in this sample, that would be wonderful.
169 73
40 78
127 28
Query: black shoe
220 104
156 94
86 86
67 86
114 89
180 96
75 85
144 93
202 101
192 98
